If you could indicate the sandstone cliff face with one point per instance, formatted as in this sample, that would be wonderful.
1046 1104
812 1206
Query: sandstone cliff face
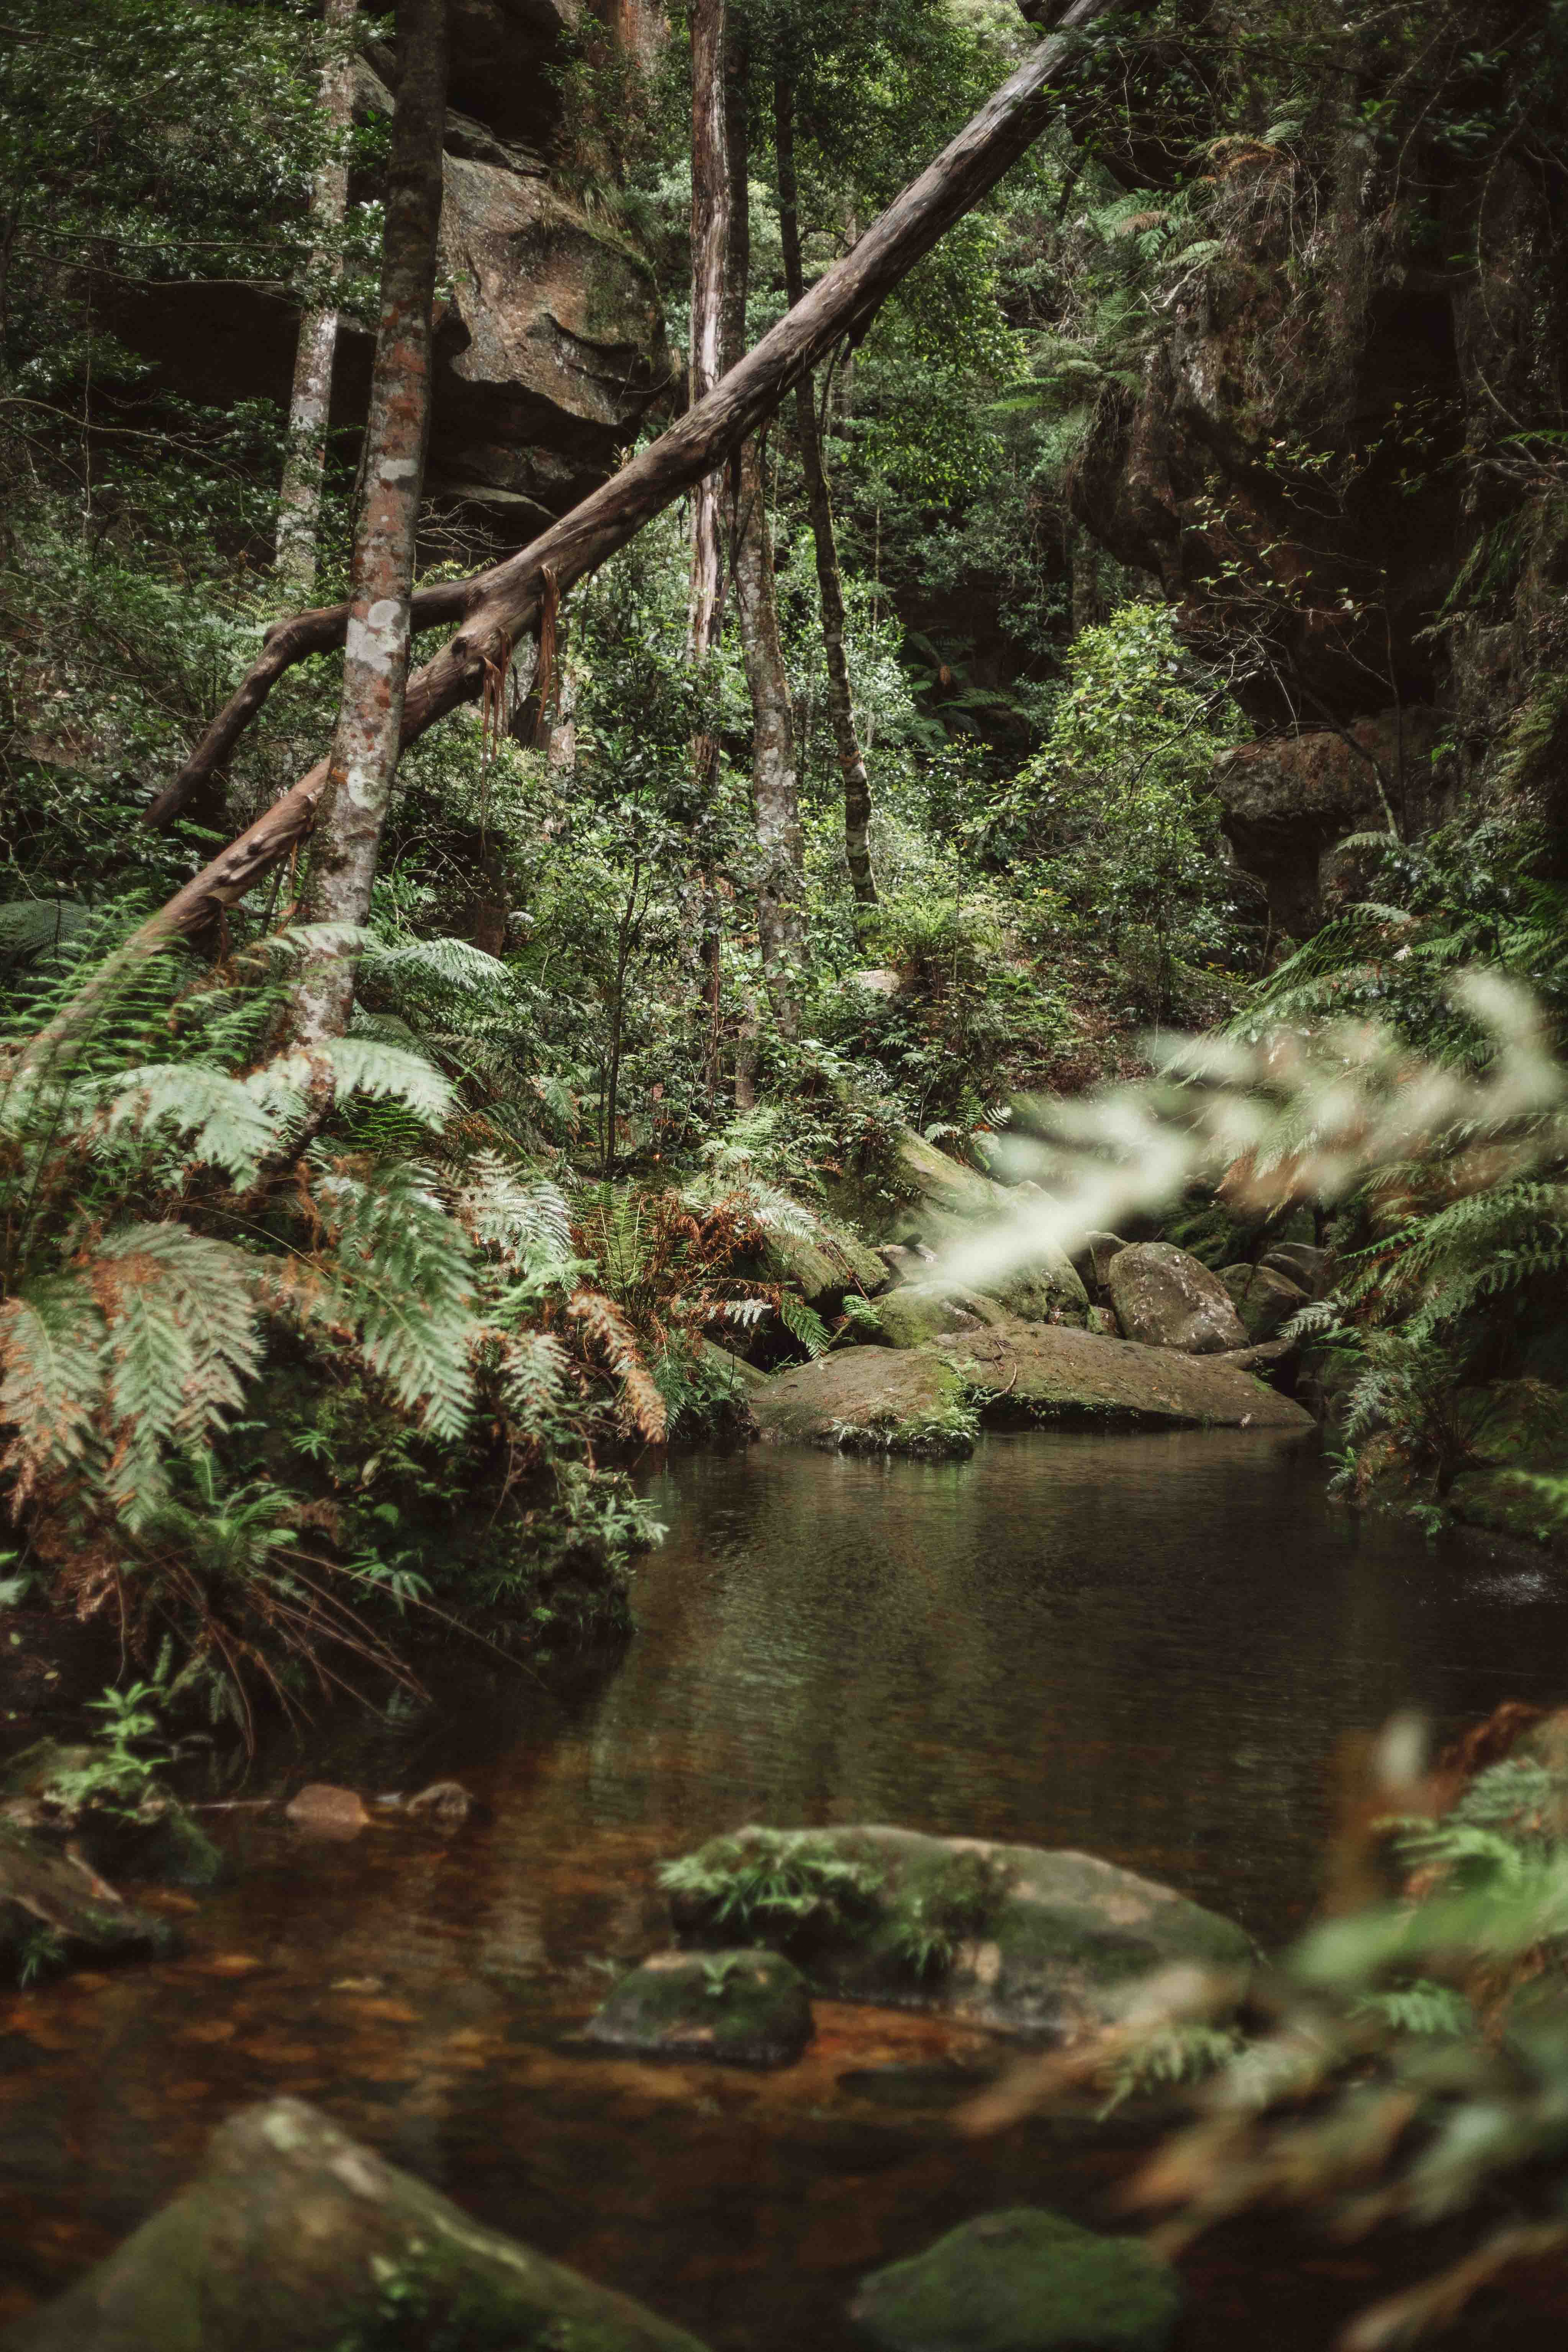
551 347
1329 465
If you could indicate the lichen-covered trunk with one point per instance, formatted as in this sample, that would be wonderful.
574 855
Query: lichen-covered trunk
299 497
710 240
364 757
775 797
710 203
819 501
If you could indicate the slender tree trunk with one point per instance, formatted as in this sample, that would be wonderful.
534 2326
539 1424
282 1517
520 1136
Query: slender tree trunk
710 241
300 499
495 606
365 746
711 204
776 795
819 500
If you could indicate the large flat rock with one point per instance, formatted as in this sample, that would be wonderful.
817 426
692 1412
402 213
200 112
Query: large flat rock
1039 1371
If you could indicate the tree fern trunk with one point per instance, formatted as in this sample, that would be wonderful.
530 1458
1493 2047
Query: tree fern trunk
819 499
300 497
366 745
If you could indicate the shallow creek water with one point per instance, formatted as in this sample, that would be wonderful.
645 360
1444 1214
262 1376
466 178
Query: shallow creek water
1144 1646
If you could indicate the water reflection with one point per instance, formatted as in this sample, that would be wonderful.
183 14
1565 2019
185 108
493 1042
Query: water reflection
1146 1646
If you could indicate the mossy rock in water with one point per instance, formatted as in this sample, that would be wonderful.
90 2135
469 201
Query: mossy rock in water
1012 1938
869 1401
134 1828
1016 1372
1023 2280
739 2008
55 1913
295 2238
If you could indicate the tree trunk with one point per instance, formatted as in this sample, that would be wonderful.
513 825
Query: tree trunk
711 204
495 606
710 240
781 844
299 498
498 604
366 745
819 500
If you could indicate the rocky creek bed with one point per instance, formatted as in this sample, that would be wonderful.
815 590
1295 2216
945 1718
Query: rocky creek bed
1140 1646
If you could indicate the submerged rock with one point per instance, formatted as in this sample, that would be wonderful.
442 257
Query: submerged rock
1011 1938
323 1810
294 2237
738 2008
1010 1370
1023 2280
55 1913
1165 1298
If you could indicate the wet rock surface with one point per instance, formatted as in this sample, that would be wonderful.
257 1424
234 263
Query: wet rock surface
56 1913
295 2237
1023 2280
1012 1938
1014 1371
736 2008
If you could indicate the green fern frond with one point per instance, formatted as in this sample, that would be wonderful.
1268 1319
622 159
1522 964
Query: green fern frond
52 1374
404 1266
803 1323
226 1121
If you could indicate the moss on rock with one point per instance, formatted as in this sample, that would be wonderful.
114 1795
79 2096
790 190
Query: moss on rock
1013 1938
743 2008
1023 2280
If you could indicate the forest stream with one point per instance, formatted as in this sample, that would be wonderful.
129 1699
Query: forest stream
1144 1646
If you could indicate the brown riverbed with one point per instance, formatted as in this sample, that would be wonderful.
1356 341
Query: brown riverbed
1143 1646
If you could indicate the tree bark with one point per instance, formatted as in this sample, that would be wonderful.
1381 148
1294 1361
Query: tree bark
710 208
710 240
368 737
497 605
819 502
775 777
299 497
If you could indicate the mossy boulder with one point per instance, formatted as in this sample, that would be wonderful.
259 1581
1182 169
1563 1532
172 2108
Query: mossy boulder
826 1263
953 1200
1263 1297
917 1311
1023 2280
1013 1938
56 1914
139 1829
1165 1298
295 2238
739 2008
873 1400
1009 1371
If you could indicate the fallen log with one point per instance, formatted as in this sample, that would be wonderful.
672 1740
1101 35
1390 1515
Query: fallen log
498 604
